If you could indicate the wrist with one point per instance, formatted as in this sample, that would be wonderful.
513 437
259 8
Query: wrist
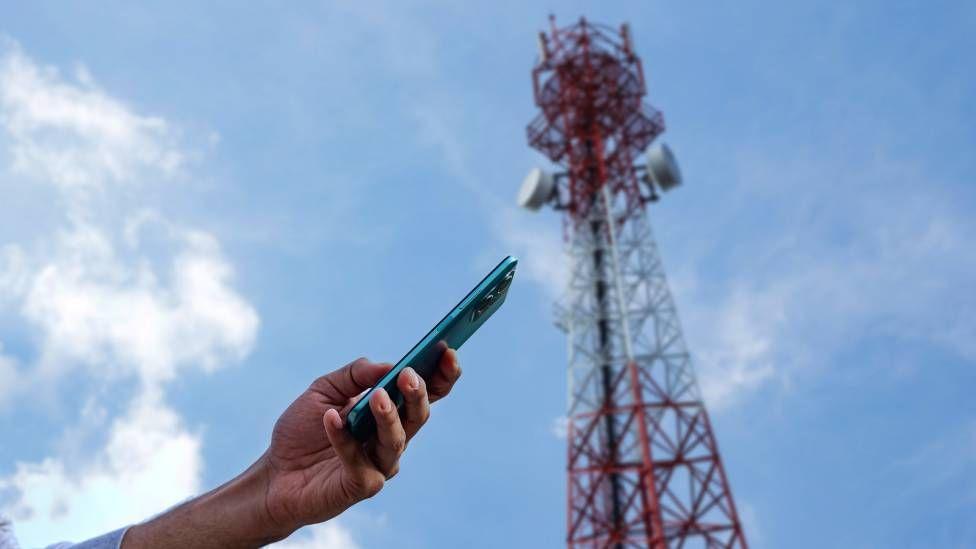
244 500
234 515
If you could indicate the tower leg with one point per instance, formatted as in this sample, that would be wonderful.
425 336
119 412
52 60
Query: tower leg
644 468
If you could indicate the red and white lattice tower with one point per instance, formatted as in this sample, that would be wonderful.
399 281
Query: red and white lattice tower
643 464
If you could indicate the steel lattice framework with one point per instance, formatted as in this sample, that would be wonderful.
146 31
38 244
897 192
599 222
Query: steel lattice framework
643 464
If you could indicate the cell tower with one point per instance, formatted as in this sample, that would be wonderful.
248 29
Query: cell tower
643 465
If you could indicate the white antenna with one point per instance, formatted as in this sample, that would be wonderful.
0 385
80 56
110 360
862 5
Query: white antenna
662 167
536 189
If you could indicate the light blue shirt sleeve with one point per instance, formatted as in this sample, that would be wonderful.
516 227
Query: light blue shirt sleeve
111 540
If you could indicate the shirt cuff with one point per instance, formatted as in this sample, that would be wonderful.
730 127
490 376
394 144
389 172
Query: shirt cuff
111 540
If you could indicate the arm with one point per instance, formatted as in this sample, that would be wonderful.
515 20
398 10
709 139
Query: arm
232 515
312 471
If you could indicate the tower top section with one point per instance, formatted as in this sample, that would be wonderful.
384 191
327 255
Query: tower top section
589 86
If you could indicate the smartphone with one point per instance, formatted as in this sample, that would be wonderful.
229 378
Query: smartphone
451 332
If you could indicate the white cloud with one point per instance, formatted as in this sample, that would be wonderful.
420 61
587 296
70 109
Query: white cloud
887 259
328 535
130 296
149 462
116 315
74 135
538 243
738 358
13 271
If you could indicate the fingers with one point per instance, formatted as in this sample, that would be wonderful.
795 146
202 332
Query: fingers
447 373
347 447
369 466
391 439
351 379
365 479
416 408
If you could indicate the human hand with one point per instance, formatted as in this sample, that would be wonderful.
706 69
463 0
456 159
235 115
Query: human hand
314 467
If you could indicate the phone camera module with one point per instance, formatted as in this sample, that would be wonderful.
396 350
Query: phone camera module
504 284
485 303
492 296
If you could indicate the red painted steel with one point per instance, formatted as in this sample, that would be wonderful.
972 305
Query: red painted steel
669 485
593 123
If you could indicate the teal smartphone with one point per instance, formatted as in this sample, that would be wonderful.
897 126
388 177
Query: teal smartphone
451 332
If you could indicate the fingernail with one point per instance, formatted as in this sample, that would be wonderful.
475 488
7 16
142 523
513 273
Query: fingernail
385 402
413 380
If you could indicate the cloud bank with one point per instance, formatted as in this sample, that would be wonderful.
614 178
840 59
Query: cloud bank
74 135
126 299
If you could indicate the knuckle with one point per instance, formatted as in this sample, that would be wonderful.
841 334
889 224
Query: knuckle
390 415
393 471
399 444
419 414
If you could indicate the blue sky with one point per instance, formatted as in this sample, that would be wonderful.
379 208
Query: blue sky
278 190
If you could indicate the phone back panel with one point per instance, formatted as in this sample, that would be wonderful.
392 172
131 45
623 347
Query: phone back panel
451 332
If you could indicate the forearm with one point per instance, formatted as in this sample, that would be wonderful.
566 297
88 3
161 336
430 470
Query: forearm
231 516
